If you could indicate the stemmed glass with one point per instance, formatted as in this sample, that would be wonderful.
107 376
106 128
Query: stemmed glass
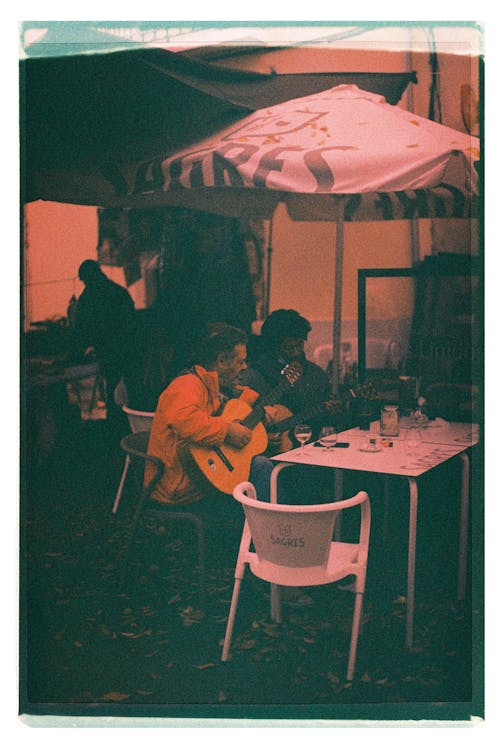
303 433
412 440
327 437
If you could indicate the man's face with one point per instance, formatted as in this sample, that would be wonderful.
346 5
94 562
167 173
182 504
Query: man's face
230 364
291 349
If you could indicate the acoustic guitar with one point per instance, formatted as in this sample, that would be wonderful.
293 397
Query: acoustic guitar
285 421
227 466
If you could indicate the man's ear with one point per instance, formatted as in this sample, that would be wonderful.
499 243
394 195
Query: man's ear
221 360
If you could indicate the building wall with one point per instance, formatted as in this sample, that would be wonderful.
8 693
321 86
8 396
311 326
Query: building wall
58 237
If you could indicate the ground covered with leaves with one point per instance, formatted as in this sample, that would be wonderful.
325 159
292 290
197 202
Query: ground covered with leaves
91 645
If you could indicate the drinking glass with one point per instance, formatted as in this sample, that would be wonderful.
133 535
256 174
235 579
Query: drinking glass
413 440
303 433
327 437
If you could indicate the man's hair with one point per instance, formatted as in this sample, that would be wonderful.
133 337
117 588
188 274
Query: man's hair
284 323
89 270
219 338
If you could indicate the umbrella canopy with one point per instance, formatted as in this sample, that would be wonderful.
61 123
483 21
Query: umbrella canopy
342 154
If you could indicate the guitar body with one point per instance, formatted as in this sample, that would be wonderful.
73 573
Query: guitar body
280 442
227 466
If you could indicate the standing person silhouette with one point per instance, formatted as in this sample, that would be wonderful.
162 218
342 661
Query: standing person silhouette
104 324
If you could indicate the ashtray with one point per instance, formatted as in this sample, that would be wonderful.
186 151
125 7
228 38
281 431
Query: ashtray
370 447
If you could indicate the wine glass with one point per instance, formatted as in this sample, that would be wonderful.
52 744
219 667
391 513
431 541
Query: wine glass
327 437
303 433
413 440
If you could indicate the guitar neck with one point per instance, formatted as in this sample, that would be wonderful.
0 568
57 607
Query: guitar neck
292 421
258 413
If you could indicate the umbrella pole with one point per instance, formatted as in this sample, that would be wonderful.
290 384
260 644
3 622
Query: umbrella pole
268 279
337 304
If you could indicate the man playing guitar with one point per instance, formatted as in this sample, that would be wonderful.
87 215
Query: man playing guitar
283 336
196 432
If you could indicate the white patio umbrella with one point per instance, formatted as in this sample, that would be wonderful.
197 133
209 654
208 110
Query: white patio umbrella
340 155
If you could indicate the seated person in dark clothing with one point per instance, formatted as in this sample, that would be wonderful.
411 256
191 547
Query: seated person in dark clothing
284 334
155 366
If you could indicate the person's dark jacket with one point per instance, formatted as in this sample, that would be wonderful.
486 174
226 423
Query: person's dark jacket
104 319
311 388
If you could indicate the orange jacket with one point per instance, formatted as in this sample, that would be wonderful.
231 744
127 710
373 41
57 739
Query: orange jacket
184 414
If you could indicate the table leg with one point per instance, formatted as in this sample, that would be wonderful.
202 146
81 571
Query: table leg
273 481
385 522
273 498
339 494
412 545
464 527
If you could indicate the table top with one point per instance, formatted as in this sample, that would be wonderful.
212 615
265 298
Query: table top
59 372
391 456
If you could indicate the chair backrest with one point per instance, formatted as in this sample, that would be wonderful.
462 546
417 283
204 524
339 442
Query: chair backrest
120 395
139 421
294 535
136 447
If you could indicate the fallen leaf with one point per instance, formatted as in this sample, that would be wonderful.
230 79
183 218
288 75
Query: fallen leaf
247 644
333 678
115 696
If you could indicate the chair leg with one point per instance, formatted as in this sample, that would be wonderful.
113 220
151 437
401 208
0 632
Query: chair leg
132 532
121 484
201 559
231 618
94 395
275 604
356 620
198 525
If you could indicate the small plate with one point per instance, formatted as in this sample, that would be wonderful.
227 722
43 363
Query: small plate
370 449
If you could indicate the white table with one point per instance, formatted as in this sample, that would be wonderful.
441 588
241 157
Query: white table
455 439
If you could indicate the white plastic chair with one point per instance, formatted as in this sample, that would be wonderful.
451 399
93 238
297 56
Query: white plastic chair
294 547
139 421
